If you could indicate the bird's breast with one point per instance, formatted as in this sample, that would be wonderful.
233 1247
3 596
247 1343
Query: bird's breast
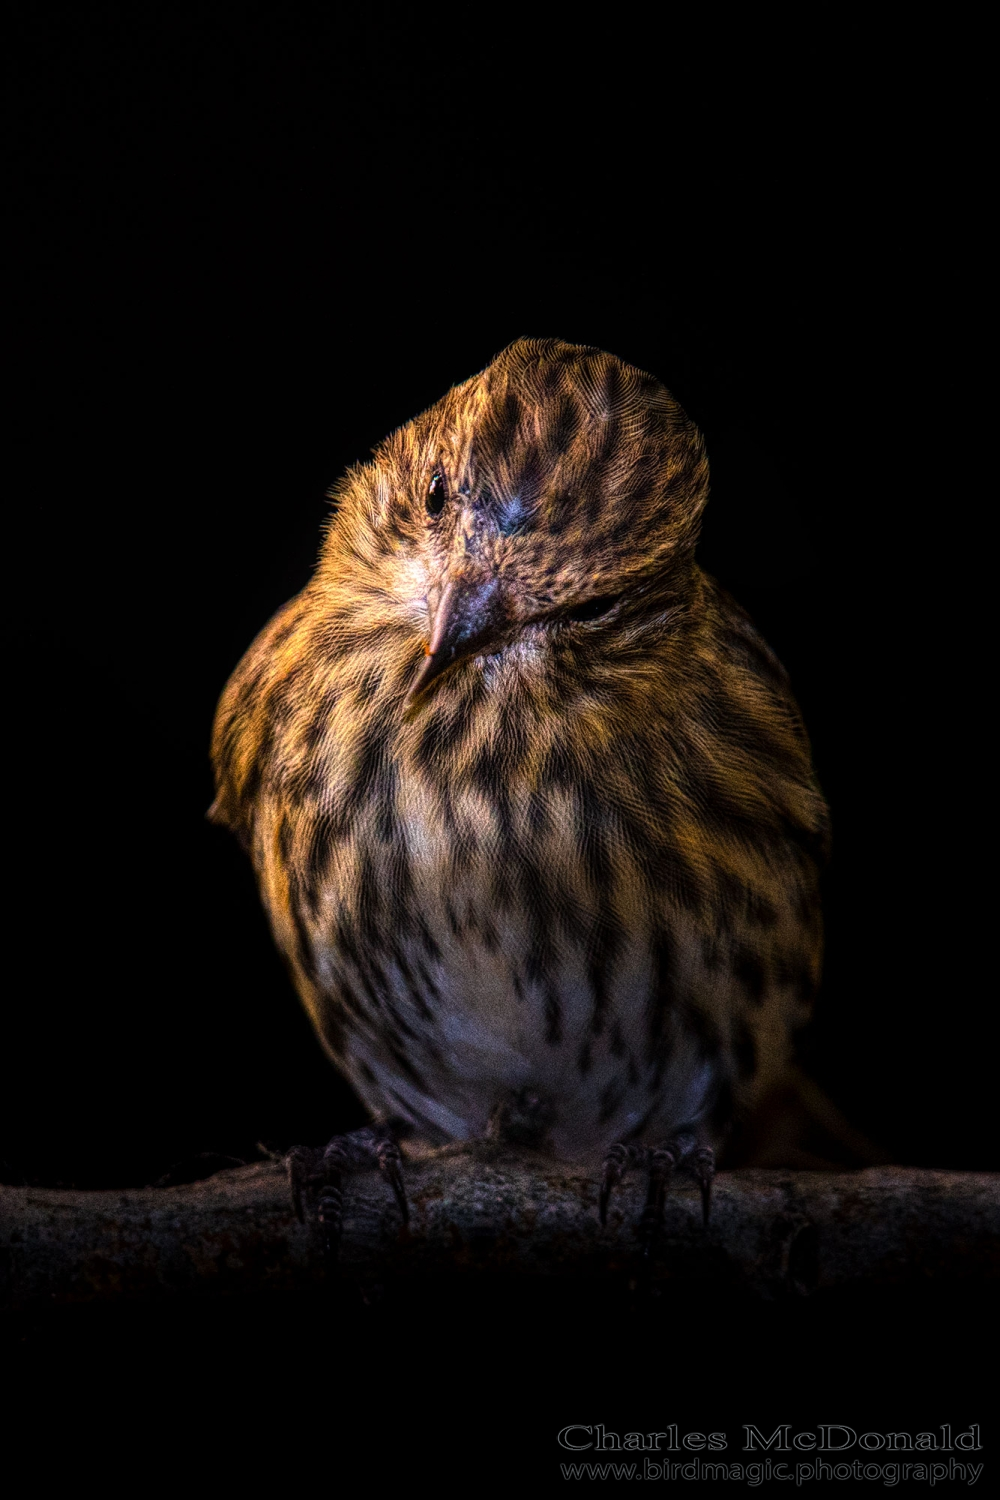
472 957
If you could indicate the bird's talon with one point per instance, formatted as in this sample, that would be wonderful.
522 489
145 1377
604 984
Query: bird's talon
661 1163
703 1172
316 1180
615 1165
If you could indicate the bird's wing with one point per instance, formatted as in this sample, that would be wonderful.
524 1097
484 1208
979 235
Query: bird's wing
248 714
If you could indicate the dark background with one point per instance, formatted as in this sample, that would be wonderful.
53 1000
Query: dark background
248 245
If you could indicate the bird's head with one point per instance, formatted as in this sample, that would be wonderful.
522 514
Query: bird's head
558 488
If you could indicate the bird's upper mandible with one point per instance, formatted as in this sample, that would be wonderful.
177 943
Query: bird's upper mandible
469 613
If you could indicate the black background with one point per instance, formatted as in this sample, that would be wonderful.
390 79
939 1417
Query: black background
247 245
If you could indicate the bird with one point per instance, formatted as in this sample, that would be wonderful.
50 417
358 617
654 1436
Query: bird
529 800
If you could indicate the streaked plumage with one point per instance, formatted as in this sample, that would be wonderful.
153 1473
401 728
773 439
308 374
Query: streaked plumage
572 855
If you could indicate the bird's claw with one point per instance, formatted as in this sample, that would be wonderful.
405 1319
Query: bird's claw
616 1164
682 1151
390 1165
316 1179
702 1169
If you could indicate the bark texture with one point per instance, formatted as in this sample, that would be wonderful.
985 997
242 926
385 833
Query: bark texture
772 1234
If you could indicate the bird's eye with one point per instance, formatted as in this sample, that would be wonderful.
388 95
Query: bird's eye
437 494
593 609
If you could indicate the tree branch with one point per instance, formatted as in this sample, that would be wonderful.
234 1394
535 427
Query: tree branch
473 1212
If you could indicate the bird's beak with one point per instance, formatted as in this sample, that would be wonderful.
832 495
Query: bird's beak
471 613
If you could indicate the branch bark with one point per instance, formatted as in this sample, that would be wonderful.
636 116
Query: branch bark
773 1233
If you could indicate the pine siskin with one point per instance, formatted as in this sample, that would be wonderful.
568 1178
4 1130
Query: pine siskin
529 800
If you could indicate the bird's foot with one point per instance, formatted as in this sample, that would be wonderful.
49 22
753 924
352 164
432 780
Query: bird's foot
684 1151
316 1178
